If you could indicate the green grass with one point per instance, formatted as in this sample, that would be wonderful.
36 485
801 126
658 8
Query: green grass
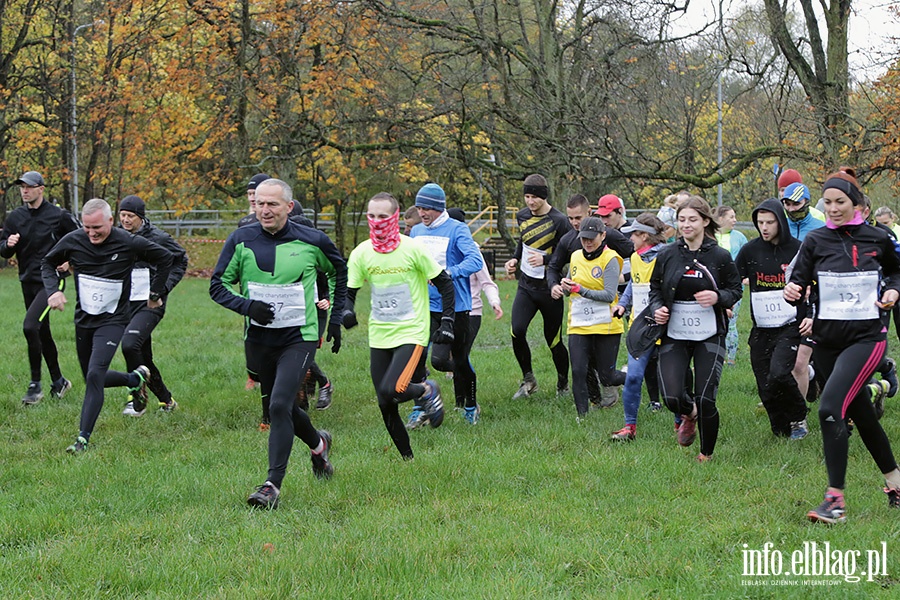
527 504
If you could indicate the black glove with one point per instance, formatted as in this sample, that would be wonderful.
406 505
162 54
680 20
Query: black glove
444 334
261 312
349 319
334 333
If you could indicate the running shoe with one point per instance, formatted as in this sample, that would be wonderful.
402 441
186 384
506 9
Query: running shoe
34 394
78 447
687 432
416 418
893 497
322 469
527 387
265 496
890 375
264 427
325 393
655 406
60 387
562 391
472 414
626 434
878 390
131 410
138 394
609 396
702 458
432 406
168 406
832 510
799 430
251 385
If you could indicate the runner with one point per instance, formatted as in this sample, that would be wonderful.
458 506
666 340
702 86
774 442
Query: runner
267 272
692 285
479 282
775 337
541 228
29 232
594 333
398 270
732 240
103 258
250 217
856 272
648 233
137 343
451 245
577 209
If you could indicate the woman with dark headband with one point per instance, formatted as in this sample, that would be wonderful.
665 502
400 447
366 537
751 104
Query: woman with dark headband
856 273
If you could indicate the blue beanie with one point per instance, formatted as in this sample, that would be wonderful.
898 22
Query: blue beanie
431 196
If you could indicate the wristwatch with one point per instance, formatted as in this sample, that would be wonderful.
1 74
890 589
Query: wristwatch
154 296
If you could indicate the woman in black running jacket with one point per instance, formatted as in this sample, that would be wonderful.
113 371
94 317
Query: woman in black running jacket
694 283
855 273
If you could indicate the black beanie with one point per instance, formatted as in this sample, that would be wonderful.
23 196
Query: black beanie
133 204
536 185
256 180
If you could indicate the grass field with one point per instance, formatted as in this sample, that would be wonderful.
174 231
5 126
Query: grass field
527 504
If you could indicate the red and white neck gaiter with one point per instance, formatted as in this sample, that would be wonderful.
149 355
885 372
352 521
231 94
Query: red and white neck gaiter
385 233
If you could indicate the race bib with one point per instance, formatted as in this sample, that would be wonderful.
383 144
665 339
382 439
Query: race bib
97 295
392 304
436 246
288 299
140 285
848 296
770 309
584 312
640 297
527 268
690 321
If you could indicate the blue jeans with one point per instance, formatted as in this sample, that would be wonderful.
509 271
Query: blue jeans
631 392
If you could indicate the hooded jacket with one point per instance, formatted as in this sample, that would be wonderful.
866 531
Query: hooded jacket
852 248
676 259
765 264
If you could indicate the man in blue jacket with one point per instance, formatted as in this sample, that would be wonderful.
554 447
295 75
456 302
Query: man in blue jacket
451 245
801 219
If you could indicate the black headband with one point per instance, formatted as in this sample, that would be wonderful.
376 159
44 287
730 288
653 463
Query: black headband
541 191
847 187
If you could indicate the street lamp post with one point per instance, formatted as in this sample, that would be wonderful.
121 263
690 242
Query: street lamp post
74 115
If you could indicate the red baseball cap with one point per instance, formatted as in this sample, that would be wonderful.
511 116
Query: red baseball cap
609 203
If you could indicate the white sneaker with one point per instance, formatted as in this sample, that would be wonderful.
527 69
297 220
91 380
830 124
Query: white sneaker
130 412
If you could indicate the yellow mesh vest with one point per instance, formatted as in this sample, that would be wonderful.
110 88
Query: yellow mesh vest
589 274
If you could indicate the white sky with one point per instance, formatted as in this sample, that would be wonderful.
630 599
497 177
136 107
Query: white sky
874 35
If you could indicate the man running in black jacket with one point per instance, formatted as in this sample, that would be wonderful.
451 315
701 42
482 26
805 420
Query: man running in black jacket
136 343
102 257
30 231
